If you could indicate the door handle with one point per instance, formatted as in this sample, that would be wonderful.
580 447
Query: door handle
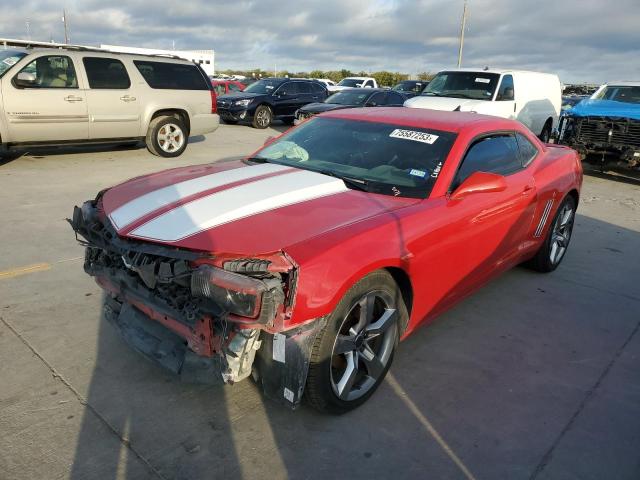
527 189
128 98
72 98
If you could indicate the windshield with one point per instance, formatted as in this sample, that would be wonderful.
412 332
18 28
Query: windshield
473 85
350 82
8 58
627 94
386 158
263 86
348 97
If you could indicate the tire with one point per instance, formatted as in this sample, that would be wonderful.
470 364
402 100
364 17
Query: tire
353 352
545 135
556 242
167 136
229 122
263 117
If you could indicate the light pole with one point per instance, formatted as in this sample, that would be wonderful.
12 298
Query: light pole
464 24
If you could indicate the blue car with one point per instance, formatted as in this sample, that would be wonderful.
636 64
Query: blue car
269 99
607 124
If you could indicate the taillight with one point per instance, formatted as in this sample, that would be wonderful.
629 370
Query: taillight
214 102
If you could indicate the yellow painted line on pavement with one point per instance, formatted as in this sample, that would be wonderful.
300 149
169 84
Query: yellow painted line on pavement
34 268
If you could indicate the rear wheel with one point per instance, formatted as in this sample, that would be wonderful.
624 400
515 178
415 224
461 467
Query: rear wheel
557 240
263 117
167 136
353 353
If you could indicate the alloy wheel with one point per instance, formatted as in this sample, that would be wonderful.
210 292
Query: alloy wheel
170 137
561 233
364 346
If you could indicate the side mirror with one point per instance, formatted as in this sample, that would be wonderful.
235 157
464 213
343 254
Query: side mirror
480 182
25 79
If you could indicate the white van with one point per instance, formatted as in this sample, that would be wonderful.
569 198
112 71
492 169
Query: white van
532 98
72 94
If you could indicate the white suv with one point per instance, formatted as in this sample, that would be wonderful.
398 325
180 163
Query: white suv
70 95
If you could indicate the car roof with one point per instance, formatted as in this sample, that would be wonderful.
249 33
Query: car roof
499 71
364 90
626 83
421 117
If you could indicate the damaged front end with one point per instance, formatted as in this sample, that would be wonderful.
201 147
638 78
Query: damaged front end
615 139
201 316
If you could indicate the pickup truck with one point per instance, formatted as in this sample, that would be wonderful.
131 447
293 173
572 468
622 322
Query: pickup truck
354 82
607 123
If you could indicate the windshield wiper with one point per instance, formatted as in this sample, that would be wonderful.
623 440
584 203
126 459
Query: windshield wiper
356 183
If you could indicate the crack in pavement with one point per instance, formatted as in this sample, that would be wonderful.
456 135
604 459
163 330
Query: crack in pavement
83 401
546 458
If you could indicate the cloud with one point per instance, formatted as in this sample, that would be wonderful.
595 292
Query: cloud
581 40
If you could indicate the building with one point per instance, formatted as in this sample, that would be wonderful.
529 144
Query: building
204 58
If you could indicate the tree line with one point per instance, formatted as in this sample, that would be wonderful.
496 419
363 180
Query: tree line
384 78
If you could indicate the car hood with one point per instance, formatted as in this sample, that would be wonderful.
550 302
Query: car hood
236 208
323 107
444 103
605 108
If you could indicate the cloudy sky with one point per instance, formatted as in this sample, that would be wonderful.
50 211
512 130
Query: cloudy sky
581 40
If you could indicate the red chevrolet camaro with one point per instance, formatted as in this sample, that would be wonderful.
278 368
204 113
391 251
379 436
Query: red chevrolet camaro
307 262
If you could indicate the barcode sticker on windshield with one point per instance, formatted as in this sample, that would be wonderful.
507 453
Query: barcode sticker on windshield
483 80
10 61
413 135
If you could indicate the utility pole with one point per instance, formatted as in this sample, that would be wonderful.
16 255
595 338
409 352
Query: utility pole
464 24
28 24
66 26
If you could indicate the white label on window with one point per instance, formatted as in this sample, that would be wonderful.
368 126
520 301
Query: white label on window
413 135
278 347
10 61
483 80
417 173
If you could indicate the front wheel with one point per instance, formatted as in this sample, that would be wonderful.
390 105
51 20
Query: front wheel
354 351
263 117
167 136
557 240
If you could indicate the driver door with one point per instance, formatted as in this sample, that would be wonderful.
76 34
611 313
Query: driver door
480 235
287 99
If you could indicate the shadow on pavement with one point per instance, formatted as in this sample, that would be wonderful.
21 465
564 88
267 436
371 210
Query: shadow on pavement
489 389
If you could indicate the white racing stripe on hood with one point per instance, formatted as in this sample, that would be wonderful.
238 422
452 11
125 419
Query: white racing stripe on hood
147 203
239 202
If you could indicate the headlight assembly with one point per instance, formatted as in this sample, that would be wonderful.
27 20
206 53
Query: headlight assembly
242 103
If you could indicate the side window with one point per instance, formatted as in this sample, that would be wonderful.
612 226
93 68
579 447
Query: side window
304 87
233 87
528 151
368 83
506 92
394 98
219 88
377 99
53 71
317 88
171 76
106 73
496 154
289 88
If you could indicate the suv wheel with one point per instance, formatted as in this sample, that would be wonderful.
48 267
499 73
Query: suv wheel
167 136
353 352
263 117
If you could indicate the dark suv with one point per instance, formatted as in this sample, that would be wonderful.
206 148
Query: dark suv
268 99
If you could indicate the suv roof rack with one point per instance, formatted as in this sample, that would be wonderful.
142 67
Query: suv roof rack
28 44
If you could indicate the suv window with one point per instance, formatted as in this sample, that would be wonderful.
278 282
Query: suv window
52 71
506 92
495 154
394 98
288 88
304 87
377 99
106 73
171 76
317 88
528 151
